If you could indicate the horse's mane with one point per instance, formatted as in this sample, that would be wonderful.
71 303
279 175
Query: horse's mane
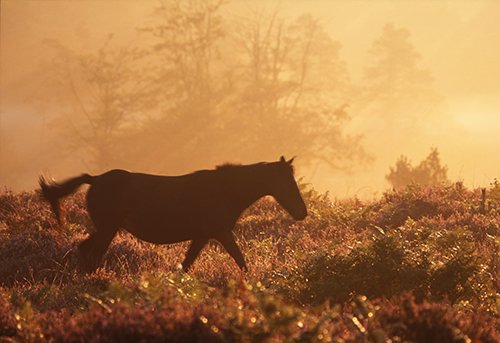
228 166
236 166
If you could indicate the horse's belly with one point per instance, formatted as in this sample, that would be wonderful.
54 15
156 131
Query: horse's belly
171 222
162 232
159 237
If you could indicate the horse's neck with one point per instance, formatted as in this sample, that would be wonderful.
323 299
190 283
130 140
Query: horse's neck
248 188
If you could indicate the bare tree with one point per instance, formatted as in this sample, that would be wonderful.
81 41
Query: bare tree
294 90
188 73
248 90
99 95
251 90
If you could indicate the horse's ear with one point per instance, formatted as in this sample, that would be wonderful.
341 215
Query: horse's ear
290 161
282 158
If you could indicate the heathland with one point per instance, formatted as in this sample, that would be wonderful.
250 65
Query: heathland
419 264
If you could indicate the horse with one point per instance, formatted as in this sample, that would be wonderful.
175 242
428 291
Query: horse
199 206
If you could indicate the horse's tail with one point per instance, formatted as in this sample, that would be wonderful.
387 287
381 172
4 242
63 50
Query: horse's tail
52 191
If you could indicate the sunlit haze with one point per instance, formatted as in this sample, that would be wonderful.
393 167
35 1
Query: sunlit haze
448 99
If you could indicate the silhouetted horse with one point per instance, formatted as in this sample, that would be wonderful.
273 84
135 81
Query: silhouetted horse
166 209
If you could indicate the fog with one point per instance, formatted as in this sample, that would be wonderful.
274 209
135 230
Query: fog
446 96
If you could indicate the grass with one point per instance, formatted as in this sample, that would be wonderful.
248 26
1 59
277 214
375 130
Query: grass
418 265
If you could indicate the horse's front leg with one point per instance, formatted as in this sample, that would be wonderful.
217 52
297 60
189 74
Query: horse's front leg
194 249
228 242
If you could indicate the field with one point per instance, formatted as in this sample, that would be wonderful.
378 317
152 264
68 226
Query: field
417 265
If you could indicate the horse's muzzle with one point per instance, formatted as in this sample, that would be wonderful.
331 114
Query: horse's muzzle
301 216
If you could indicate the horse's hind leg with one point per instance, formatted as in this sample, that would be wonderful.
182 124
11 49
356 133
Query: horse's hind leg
92 249
193 251
228 242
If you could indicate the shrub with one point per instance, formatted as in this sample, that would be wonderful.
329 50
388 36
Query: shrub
428 172
7 317
407 259
405 320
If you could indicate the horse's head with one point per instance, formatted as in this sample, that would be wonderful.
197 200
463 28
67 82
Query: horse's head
285 190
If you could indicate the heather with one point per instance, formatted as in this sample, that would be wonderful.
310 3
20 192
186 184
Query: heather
419 264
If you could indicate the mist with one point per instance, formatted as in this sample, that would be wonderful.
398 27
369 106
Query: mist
346 121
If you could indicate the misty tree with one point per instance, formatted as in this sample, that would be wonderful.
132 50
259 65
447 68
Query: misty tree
292 91
394 87
200 90
428 172
248 90
99 96
188 73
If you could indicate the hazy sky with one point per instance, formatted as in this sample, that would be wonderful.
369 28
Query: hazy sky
459 42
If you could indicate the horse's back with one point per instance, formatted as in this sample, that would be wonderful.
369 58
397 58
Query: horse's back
146 204
119 188
180 200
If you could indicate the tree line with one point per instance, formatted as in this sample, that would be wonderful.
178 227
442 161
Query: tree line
200 87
